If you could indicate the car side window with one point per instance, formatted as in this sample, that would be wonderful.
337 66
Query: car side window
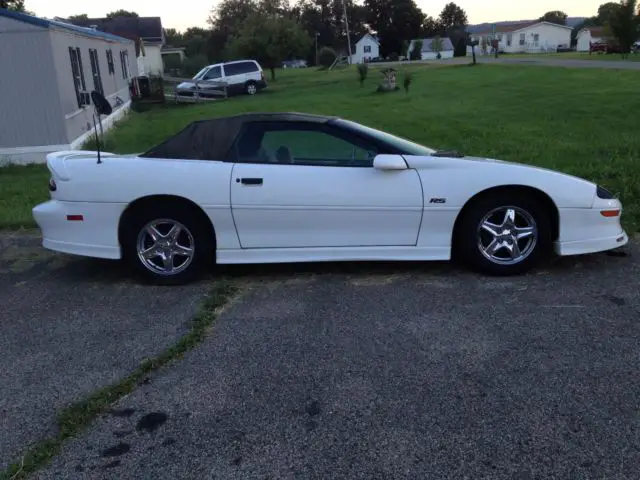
233 69
302 144
213 74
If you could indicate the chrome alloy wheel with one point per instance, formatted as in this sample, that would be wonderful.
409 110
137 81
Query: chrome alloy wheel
165 247
252 89
507 235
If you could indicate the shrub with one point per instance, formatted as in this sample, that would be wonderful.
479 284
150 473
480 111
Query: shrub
416 53
194 64
326 57
394 57
407 80
363 69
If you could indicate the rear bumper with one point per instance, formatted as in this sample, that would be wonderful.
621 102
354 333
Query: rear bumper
95 235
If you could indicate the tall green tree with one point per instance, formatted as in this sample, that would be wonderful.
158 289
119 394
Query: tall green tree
624 25
554 16
82 16
15 5
452 15
270 39
225 20
606 12
122 13
396 22
431 27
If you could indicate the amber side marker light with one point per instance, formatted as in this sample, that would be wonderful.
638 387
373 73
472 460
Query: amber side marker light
609 213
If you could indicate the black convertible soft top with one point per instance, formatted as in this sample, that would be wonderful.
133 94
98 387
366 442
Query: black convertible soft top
212 138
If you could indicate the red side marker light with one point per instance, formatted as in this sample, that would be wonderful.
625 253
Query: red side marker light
75 218
609 213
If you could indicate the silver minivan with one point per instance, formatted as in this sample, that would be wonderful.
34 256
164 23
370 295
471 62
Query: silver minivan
240 76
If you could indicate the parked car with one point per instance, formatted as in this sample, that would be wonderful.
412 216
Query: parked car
293 187
239 76
294 64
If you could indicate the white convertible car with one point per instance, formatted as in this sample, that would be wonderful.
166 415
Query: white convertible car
289 187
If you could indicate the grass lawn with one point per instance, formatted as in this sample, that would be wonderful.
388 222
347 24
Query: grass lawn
612 57
578 121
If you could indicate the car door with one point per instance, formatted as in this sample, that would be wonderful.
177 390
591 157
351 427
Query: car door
297 184
211 81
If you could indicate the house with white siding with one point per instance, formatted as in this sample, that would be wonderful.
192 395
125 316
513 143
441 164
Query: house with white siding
430 49
524 37
45 102
589 35
365 49
146 31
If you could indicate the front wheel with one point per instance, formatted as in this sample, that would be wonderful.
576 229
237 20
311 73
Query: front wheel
167 245
505 234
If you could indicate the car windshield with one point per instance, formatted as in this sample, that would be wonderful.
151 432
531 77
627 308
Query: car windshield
407 146
200 74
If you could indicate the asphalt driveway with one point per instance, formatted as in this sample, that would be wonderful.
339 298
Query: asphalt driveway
69 326
393 371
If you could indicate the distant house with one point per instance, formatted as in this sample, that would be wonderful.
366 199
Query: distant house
168 51
589 35
524 37
51 68
365 49
147 30
428 52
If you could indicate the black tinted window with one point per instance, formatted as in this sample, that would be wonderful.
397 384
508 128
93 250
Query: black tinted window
240 68
213 74
302 144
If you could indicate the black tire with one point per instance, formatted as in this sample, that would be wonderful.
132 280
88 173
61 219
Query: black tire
251 88
194 230
466 241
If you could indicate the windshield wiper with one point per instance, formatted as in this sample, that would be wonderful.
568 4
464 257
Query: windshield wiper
447 153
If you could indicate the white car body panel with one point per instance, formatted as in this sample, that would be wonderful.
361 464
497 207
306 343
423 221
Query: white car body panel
316 206
309 213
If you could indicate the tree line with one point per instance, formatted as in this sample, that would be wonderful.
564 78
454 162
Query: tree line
276 30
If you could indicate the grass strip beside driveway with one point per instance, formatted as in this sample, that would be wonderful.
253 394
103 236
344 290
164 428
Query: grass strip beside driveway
74 419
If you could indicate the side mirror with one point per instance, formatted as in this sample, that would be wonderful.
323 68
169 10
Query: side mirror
389 162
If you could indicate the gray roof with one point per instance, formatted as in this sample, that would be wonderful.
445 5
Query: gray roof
146 28
426 44
45 23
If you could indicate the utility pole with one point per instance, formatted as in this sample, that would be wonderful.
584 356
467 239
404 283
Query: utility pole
346 24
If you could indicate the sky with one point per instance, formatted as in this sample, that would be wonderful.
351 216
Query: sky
196 12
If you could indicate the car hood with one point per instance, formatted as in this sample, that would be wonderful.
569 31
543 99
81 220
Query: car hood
186 85
490 163
475 174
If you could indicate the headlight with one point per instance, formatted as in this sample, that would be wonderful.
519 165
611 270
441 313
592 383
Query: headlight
604 194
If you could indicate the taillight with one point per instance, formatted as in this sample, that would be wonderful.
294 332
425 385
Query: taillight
52 185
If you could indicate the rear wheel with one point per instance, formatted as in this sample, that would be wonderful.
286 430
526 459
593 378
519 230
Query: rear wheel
504 234
168 244
251 88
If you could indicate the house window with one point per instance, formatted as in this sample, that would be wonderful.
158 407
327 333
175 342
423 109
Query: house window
509 39
95 71
80 87
367 49
110 65
522 37
124 63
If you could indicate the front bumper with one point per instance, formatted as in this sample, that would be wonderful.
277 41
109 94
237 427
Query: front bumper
587 230
80 228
